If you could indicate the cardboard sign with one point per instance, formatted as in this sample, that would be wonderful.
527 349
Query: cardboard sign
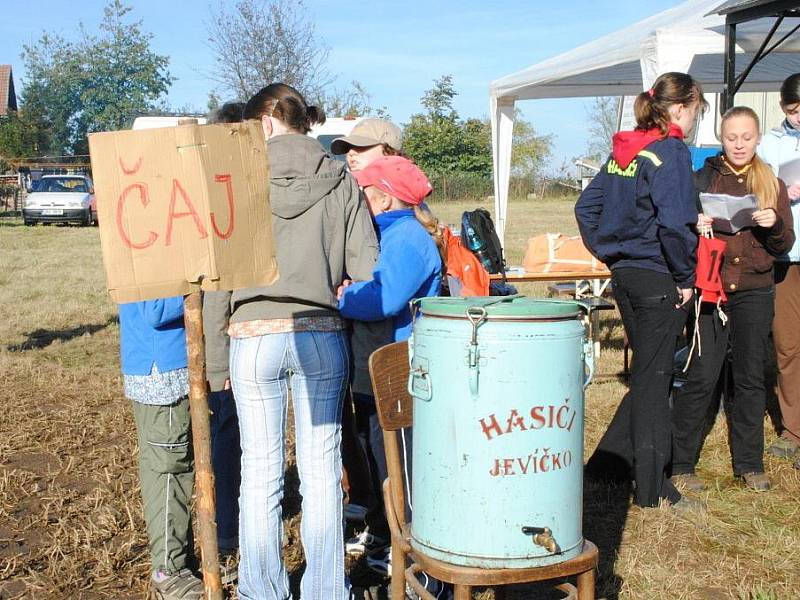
183 208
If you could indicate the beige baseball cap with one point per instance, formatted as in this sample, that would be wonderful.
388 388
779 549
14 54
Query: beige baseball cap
369 132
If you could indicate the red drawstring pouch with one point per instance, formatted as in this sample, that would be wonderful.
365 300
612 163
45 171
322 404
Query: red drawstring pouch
708 278
708 281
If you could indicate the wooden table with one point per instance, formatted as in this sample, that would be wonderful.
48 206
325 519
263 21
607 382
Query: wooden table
589 280
589 284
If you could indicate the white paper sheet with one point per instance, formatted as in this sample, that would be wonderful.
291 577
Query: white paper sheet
730 213
790 172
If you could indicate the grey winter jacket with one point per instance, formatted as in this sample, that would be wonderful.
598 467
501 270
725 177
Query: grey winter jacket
216 312
322 232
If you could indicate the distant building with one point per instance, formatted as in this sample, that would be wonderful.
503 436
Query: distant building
587 169
8 97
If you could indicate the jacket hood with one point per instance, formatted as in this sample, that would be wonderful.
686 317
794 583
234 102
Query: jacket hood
787 129
627 144
301 174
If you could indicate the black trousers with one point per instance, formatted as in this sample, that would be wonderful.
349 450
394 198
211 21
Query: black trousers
638 439
370 438
743 344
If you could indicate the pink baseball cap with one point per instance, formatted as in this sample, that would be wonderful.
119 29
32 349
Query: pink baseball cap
398 177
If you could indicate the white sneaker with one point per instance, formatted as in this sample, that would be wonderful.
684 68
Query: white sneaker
364 542
355 512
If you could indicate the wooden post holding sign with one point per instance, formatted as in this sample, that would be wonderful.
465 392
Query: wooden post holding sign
185 209
205 503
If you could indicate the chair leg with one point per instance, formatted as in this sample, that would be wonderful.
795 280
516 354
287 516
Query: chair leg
398 571
462 592
586 585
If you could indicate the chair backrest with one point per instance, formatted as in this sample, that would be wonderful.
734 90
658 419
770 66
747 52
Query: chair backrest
388 369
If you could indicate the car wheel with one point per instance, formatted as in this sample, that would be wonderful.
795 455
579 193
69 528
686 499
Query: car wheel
87 221
28 222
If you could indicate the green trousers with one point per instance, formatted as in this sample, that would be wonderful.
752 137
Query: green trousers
166 471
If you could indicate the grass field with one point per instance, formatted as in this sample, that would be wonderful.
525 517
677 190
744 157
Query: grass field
70 517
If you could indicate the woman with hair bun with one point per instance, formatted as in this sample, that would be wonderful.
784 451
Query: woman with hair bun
742 335
638 217
290 335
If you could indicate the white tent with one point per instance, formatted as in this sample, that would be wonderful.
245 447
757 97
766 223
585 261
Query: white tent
684 38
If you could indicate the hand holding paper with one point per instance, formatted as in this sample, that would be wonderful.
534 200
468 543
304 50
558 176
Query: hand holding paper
765 218
730 213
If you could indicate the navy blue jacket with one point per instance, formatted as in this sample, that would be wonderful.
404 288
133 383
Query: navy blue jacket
643 214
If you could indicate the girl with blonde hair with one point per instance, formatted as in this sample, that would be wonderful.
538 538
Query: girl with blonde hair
743 334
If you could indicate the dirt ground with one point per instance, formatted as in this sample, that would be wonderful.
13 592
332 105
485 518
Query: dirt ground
70 514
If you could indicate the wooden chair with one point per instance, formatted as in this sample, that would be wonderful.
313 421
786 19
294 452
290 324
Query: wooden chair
389 370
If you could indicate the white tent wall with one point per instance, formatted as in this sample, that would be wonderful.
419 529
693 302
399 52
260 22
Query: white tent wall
502 117
684 38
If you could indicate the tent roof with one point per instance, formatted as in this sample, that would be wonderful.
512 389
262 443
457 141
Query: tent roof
738 6
612 65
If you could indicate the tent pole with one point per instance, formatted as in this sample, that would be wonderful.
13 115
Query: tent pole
730 67
758 56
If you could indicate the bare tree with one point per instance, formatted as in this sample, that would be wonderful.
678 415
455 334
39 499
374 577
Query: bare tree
602 115
257 42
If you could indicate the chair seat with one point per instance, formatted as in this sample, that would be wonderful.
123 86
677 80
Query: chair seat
451 573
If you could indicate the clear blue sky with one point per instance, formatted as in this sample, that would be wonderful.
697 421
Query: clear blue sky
395 49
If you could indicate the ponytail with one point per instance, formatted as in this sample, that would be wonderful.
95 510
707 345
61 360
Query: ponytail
651 107
285 104
431 224
762 183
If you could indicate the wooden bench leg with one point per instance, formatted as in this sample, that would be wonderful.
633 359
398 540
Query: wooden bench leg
462 592
586 585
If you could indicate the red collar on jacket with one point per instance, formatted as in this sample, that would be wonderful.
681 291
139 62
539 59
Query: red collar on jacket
627 144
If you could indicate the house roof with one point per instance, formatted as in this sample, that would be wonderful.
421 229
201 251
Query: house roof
8 97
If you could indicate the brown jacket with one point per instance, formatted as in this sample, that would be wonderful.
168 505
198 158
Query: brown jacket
750 252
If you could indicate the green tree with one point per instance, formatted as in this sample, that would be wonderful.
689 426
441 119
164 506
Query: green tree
603 116
21 136
440 142
122 77
96 83
529 151
50 95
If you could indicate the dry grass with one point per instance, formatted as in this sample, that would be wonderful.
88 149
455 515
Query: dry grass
70 516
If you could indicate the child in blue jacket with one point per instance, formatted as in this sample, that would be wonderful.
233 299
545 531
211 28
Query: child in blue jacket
156 378
410 265
411 257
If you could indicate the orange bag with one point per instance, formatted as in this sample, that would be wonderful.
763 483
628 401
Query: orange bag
463 265
554 253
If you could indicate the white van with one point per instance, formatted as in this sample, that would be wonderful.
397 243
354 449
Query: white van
156 122
334 128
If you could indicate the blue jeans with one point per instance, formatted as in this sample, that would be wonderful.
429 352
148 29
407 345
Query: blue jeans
226 457
315 366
